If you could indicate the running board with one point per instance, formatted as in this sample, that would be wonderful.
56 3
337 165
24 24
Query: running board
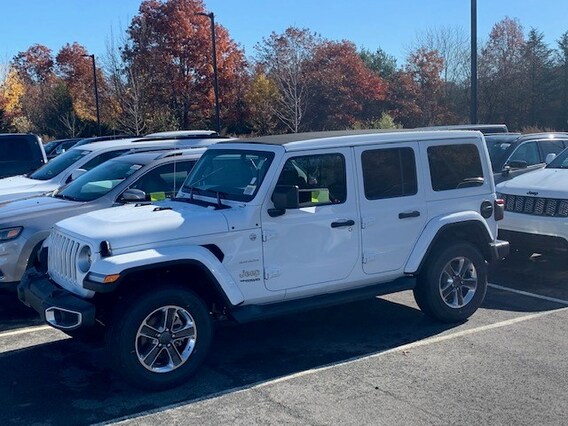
247 313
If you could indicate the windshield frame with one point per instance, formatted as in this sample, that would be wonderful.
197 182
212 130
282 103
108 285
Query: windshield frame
560 158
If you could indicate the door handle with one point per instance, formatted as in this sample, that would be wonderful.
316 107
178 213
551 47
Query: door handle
342 223
406 215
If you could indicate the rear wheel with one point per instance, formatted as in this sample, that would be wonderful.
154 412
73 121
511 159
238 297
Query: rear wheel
159 339
453 284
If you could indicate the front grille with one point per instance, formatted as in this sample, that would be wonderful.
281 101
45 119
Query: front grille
62 257
538 206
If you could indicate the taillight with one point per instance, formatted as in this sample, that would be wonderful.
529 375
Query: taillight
499 209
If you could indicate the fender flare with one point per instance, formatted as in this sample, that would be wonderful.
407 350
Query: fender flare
125 264
435 227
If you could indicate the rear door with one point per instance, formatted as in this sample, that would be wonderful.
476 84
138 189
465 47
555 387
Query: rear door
393 211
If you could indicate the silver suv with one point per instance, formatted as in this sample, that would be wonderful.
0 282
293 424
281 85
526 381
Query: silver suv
24 224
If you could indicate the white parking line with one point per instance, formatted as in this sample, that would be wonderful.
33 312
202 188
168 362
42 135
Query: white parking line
24 331
526 293
398 349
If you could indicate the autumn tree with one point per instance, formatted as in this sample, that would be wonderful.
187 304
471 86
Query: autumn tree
500 74
34 65
343 90
74 68
168 52
561 82
424 67
262 100
285 57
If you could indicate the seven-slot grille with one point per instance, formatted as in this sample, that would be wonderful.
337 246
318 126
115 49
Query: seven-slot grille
536 205
62 257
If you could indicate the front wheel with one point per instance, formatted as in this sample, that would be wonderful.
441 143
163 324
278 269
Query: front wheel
453 284
158 340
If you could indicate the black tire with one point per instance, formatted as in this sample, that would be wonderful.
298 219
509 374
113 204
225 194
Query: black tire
125 347
452 299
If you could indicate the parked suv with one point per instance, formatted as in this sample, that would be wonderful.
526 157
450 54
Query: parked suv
24 224
537 209
513 154
67 166
20 153
271 226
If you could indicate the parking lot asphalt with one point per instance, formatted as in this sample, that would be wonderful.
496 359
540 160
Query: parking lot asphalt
374 362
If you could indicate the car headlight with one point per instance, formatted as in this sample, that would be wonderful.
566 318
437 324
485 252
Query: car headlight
84 259
8 234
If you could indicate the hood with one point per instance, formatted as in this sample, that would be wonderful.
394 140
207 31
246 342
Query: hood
21 210
19 187
132 225
547 183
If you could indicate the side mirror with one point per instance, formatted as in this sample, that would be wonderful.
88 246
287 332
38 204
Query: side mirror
284 197
133 195
549 158
76 173
517 164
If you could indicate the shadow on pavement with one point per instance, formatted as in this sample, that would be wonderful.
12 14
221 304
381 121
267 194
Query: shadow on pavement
66 382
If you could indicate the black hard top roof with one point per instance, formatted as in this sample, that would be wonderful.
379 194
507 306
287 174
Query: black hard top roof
297 137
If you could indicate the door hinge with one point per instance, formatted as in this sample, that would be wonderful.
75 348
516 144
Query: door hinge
367 222
271 273
370 256
268 235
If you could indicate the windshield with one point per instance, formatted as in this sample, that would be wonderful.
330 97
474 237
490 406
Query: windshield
98 181
58 164
560 162
230 174
498 147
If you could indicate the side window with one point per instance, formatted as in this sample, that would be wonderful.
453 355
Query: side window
551 147
164 181
454 166
526 152
320 178
389 173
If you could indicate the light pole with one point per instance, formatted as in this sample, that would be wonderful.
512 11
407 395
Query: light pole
473 111
211 16
96 93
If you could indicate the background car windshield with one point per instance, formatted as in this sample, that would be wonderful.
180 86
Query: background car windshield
99 181
560 162
498 150
235 174
58 164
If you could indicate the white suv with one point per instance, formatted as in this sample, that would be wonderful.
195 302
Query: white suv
271 226
537 209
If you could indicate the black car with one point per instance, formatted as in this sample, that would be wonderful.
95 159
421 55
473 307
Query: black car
486 129
513 154
20 153
59 146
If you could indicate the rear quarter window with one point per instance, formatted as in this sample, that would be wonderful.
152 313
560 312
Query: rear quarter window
455 166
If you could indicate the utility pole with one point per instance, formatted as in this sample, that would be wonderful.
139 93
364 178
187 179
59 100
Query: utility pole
473 110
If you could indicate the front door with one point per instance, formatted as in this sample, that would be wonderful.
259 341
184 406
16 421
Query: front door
319 241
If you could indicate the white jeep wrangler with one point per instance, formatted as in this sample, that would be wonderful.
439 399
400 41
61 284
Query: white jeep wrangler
270 226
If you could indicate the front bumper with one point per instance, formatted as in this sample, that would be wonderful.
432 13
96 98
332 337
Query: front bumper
56 306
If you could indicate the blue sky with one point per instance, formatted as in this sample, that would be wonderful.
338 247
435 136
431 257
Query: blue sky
391 25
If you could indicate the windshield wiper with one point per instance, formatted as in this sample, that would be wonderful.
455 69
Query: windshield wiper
65 197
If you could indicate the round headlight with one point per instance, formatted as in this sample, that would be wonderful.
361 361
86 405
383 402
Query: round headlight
84 259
